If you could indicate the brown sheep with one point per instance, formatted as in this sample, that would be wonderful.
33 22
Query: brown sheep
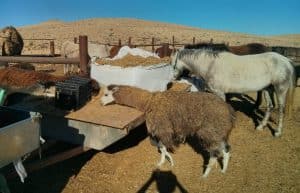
172 116
12 43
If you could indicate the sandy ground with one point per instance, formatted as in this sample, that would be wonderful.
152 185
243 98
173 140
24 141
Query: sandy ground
259 163
110 30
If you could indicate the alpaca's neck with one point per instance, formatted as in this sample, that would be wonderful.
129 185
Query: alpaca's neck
133 97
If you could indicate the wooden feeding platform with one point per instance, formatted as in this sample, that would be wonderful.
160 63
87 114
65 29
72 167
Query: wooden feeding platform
93 125
116 116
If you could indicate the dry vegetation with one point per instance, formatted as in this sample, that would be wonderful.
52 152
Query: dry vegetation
130 61
110 30
259 162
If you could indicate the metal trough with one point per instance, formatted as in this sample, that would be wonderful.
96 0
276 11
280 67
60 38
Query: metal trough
19 134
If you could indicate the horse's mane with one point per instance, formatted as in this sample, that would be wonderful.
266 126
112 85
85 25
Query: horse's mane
251 48
215 47
192 53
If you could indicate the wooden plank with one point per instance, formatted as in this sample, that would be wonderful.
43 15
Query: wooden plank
115 116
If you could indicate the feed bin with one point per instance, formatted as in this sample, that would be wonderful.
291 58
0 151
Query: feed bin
152 78
19 134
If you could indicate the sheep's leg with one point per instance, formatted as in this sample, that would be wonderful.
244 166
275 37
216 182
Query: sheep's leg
164 154
212 161
268 112
226 156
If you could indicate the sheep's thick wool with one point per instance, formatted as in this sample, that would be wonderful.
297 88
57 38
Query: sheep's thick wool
171 116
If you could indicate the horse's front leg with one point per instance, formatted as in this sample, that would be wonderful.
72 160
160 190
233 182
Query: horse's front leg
281 98
258 99
268 112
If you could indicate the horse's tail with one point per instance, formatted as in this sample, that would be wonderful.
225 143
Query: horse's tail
291 91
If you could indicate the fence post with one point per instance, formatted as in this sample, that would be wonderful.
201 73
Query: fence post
52 48
120 43
211 41
153 45
83 54
173 41
75 40
165 50
129 42
194 40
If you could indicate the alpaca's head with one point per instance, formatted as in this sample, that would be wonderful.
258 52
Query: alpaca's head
108 97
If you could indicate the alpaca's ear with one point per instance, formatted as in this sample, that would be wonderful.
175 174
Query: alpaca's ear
116 88
113 88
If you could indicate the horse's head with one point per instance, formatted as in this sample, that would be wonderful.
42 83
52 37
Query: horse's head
179 67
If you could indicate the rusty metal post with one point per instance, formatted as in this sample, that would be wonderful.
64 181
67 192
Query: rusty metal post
75 40
153 45
194 40
129 42
52 48
211 41
173 41
165 50
83 54
120 43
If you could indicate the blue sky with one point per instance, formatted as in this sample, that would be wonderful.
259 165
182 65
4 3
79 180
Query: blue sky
261 17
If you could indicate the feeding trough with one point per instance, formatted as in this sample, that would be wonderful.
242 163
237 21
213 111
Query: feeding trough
152 74
19 134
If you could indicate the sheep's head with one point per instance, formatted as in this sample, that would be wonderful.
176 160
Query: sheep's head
108 97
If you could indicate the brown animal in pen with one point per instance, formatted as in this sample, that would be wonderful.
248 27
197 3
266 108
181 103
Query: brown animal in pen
12 42
164 51
173 116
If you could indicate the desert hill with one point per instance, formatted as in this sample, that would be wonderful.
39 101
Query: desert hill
109 30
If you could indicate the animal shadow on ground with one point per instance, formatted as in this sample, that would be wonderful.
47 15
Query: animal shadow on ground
53 178
165 181
246 105
134 137
297 69
194 142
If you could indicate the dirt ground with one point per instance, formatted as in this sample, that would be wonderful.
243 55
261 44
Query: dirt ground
259 163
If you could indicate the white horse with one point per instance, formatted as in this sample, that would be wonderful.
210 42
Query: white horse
225 72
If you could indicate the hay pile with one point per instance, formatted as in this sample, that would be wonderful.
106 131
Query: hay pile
177 86
16 77
132 61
